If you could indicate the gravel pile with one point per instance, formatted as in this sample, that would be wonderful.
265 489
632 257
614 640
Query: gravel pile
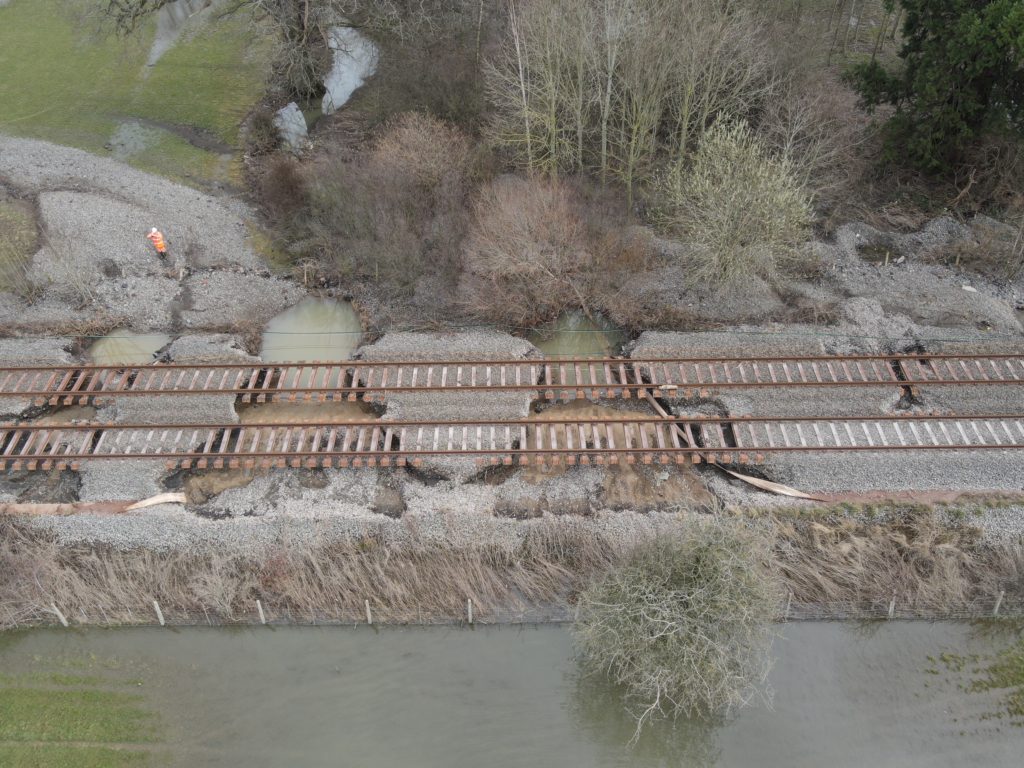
140 303
168 527
226 299
998 525
188 218
208 348
117 480
928 293
175 409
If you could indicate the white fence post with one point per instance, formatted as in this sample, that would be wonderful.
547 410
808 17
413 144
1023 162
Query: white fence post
369 616
892 606
789 603
159 613
999 602
60 616
259 607
469 610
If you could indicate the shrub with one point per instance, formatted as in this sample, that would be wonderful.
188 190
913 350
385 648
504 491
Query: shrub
525 258
390 215
744 208
684 623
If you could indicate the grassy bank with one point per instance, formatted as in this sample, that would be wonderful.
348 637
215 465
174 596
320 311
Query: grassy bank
829 566
75 712
61 82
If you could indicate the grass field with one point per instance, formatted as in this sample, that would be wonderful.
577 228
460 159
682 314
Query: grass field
53 718
61 82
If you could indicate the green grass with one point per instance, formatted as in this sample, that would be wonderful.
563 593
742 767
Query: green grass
61 83
50 717
17 243
71 757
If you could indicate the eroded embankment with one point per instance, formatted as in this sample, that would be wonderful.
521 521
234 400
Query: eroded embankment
905 562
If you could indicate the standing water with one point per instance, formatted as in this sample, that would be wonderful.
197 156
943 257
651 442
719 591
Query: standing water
574 334
314 329
125 347
845 696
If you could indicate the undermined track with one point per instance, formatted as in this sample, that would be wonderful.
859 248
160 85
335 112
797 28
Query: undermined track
548 379
671 440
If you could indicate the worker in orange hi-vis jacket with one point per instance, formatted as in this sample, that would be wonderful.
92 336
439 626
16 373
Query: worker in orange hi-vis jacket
156 237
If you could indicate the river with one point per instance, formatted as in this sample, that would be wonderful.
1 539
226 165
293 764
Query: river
845 695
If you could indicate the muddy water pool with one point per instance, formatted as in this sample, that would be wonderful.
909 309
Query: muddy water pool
314 329
845 695
126 347
574 334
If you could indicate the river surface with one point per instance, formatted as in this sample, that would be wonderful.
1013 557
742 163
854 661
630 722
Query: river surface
845 695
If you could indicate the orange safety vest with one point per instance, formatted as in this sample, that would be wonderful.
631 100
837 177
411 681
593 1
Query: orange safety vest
158 241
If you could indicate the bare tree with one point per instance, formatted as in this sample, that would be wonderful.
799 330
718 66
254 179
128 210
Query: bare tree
301 26
619 85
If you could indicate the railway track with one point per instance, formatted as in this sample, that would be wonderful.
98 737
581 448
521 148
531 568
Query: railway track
723 440
546 379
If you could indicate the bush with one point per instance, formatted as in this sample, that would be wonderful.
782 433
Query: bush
525 258
390 215
685 623
744 208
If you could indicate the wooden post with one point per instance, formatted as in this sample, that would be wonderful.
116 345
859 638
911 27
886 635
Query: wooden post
892 606
159 613
259 607
369 616
469 610
999 602
60 616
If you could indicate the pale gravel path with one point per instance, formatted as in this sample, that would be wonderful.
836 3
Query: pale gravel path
215 224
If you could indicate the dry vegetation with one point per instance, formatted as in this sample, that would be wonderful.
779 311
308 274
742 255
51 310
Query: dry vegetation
846 568
598 112
684 624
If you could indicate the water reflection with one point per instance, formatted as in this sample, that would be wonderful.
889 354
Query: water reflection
600 711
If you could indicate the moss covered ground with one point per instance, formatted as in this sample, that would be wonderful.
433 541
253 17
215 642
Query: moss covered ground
62 81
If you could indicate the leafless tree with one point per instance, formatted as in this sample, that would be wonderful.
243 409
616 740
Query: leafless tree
301 26
618 85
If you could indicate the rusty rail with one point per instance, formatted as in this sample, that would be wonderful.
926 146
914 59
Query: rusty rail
547 379
723 440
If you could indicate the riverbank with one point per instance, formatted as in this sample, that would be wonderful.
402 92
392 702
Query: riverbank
892 562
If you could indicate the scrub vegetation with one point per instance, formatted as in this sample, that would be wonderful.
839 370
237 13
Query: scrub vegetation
684 623
716 161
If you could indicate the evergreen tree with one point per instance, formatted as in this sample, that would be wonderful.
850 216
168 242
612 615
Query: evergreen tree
962 76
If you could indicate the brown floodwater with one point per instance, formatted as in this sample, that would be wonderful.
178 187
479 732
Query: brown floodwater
845 695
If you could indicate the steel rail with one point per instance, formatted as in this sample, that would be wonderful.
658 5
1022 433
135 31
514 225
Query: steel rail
550 379
682 440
